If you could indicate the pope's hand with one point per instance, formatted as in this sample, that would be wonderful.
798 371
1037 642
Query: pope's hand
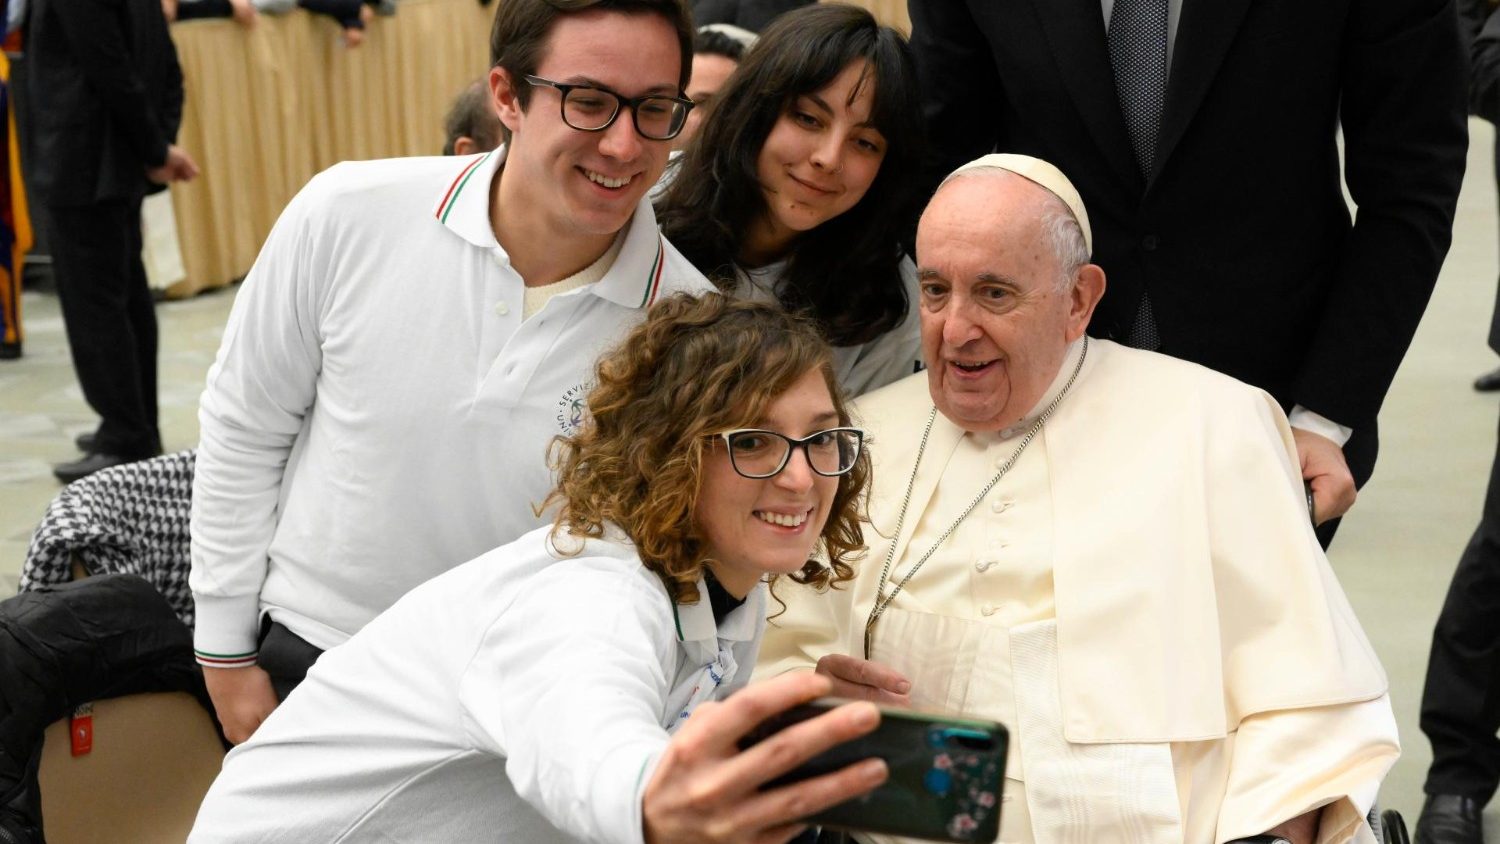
862 679
705 789
1324 466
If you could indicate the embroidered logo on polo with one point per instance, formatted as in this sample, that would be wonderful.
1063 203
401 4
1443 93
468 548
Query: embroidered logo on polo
573 407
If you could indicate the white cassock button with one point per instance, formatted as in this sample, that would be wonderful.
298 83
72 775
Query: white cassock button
984 565
1000 505
988 610
501 309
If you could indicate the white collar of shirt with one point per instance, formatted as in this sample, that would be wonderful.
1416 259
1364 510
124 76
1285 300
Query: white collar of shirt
1059 381
633 281
696 626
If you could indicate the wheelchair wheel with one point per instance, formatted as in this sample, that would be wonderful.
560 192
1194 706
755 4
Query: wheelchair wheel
1393 827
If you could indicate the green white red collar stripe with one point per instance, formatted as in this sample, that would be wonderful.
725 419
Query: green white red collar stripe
615 286
225 660
653 280
459 182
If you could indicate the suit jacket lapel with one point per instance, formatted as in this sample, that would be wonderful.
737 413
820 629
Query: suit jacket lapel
1204 34
1075 33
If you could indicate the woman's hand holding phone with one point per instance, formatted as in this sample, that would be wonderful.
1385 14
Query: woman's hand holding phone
705 789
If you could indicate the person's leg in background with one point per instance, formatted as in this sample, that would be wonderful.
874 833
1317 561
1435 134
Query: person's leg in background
111 325
141 309
1461 697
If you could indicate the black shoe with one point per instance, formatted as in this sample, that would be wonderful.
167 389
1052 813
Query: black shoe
1450 819
10 351
85 442
91 463
1488 382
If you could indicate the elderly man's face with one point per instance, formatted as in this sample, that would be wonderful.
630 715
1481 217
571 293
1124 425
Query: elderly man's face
995 324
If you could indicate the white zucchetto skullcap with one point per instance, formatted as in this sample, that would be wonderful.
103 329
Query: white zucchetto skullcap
1041 173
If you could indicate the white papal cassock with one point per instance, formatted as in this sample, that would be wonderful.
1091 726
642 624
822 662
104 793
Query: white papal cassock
1141 600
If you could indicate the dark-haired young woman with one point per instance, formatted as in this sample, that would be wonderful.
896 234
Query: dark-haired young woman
795 187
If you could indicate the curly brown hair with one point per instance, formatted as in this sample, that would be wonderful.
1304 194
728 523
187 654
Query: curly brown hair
695 367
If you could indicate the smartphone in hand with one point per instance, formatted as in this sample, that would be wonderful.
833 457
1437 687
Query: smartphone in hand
945 774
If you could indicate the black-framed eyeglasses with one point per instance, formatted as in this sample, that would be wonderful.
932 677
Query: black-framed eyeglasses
589 108
763 454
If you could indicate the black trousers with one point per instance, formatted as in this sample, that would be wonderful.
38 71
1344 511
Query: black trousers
285 656
1461 698
111 319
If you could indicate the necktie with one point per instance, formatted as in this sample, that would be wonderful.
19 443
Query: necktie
1138 51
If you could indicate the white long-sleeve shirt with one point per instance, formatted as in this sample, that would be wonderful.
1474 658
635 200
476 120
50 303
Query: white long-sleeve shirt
378 411
520 697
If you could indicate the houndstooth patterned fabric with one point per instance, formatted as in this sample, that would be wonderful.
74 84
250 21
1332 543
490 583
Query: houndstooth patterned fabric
130 519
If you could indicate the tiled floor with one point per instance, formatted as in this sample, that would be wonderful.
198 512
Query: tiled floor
42 409
1394 553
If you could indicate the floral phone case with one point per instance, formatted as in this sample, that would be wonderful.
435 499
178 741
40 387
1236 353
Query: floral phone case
945 774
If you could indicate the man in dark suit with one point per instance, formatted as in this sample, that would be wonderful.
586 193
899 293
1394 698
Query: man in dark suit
105 77
1202 137
1461 695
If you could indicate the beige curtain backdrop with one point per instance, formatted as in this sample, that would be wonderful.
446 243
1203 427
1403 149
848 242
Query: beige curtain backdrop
889 12
269 107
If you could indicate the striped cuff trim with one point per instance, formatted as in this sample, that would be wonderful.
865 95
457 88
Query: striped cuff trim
225 660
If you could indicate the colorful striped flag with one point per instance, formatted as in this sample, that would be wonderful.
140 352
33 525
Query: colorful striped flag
15 221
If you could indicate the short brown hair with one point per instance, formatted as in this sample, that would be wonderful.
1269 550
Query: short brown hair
695 367
522 27
471 116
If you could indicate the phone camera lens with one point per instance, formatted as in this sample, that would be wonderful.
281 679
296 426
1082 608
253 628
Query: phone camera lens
968 739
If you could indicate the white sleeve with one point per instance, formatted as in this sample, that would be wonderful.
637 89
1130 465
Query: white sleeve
1289 762
894 354
1289 636
259 390
569 686
1301 417
803 625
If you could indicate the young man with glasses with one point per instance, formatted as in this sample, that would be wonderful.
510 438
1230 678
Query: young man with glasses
415 333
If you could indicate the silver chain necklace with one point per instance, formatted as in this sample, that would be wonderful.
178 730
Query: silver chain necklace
882 600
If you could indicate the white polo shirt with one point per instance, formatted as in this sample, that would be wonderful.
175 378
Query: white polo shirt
523 697
378 411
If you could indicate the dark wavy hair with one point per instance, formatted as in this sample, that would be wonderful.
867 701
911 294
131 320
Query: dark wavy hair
697 366
845 274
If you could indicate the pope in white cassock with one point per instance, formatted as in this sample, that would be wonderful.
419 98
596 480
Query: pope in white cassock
1106 549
